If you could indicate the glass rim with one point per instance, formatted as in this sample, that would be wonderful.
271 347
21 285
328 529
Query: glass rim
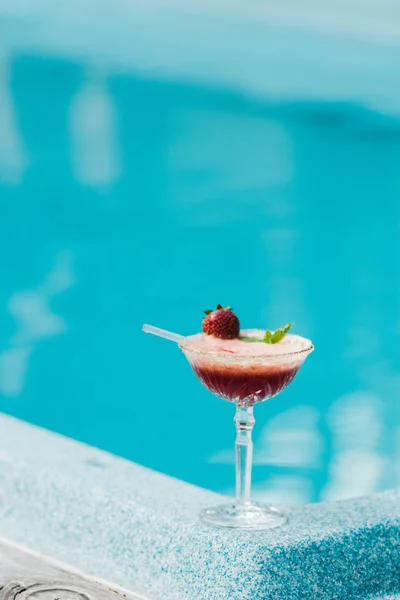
260 357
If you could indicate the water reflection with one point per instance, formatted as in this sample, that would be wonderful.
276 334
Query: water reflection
13 368
353 472
92 117
13 160
290 442
34 321
285 489
291 438
356 466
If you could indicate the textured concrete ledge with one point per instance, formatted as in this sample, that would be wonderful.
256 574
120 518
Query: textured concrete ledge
139 529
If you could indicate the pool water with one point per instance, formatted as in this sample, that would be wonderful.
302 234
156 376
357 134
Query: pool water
125 200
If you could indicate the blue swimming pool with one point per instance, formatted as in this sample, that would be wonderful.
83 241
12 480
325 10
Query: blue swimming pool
126 199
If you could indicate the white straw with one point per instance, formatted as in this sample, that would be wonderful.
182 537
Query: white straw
168 335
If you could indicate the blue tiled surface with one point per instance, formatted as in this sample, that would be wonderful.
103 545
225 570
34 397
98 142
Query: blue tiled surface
140 529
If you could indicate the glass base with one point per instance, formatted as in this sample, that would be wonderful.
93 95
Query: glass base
249 515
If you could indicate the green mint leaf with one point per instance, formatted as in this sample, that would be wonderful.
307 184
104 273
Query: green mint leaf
277 335
268 337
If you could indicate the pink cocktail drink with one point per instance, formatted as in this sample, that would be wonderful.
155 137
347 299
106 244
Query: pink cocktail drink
245 367
241 372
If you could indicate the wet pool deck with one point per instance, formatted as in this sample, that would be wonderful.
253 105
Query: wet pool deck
135 527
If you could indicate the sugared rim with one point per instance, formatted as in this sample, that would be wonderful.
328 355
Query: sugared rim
226 355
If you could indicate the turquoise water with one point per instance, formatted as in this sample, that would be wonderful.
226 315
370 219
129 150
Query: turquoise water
125 200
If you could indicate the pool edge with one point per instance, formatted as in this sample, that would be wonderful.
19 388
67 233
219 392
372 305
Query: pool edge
138 528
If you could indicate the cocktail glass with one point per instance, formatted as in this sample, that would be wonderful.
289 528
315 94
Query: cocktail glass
245 381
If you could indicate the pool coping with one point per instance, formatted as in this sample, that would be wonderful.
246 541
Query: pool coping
139 529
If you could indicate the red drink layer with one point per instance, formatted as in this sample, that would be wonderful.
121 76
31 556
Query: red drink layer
244 384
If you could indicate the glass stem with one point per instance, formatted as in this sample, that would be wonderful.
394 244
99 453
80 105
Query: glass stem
244 421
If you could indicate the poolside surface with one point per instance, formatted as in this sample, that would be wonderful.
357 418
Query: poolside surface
140 529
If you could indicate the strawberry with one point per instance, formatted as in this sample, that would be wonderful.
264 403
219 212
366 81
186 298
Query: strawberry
221 323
